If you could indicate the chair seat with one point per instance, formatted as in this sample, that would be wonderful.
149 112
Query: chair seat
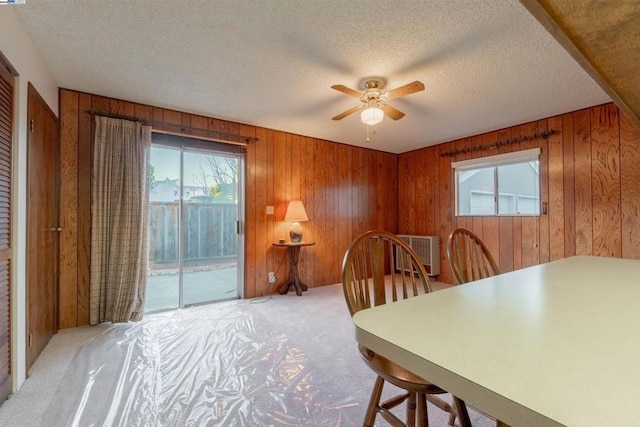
397 375
363 281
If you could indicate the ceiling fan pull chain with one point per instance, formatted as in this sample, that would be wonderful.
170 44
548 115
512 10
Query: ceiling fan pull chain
373 132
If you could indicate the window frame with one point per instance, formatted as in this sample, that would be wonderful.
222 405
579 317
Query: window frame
494 162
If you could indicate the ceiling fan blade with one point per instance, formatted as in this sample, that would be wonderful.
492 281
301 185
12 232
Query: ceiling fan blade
391 112
346 113
405 90
347 91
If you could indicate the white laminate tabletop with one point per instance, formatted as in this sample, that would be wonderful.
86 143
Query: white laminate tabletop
555 344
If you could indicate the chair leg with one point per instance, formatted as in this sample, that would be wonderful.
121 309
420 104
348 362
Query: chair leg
372 409
444 406
423 417
440 403
411 410
461 409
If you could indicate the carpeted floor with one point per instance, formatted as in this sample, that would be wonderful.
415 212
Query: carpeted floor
287 360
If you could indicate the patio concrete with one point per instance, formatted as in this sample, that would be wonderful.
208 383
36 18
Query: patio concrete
199 287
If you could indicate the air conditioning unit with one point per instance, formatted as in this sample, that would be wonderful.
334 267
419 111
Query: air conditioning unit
428 250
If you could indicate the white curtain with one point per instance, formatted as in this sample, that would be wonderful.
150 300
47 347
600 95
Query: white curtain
119 210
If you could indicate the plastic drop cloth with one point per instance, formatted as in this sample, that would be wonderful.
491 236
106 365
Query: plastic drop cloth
218 365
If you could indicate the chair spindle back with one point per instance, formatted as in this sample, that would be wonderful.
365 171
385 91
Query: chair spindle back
469 258
365 263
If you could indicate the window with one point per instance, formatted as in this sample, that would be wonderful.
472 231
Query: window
506 184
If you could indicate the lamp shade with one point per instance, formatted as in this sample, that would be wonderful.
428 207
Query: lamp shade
296 212
372 115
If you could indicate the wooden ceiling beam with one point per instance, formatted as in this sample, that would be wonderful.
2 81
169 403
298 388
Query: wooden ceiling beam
604 38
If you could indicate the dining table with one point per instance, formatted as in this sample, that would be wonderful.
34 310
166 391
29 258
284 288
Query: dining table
555 344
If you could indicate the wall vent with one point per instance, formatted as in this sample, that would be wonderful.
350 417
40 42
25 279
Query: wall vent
428 250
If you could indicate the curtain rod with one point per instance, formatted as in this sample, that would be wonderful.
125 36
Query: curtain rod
243 139
501 143
201 138
118 116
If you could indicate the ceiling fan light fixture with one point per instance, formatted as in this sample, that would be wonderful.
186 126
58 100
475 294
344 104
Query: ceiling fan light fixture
371 116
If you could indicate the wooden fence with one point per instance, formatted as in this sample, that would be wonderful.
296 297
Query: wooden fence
209 231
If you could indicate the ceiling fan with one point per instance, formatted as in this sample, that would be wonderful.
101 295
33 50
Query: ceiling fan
374 100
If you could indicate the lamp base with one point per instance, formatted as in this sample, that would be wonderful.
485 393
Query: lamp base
296 232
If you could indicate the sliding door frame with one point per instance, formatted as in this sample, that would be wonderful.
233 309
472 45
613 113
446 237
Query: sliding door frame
208 146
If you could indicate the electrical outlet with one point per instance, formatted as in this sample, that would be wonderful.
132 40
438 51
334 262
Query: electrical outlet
272 277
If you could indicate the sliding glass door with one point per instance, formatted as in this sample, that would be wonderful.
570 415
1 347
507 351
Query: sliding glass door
195 251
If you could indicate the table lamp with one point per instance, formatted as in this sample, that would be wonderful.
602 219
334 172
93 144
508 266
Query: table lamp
296 214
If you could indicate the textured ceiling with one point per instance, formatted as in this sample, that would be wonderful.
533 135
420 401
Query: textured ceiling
485 64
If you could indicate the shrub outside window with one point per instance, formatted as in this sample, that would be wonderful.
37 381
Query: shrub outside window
505 184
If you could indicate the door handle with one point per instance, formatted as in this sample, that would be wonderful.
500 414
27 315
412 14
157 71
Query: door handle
54 229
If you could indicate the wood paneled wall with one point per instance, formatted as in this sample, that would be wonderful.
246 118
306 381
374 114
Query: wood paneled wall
346 190
590 180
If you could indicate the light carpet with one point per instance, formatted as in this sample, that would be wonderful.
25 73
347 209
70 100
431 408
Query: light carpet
315 328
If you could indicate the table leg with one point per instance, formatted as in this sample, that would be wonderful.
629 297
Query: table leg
295 281
294 277
284 289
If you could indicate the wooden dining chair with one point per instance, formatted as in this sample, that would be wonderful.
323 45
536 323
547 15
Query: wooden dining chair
469 258
365 263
